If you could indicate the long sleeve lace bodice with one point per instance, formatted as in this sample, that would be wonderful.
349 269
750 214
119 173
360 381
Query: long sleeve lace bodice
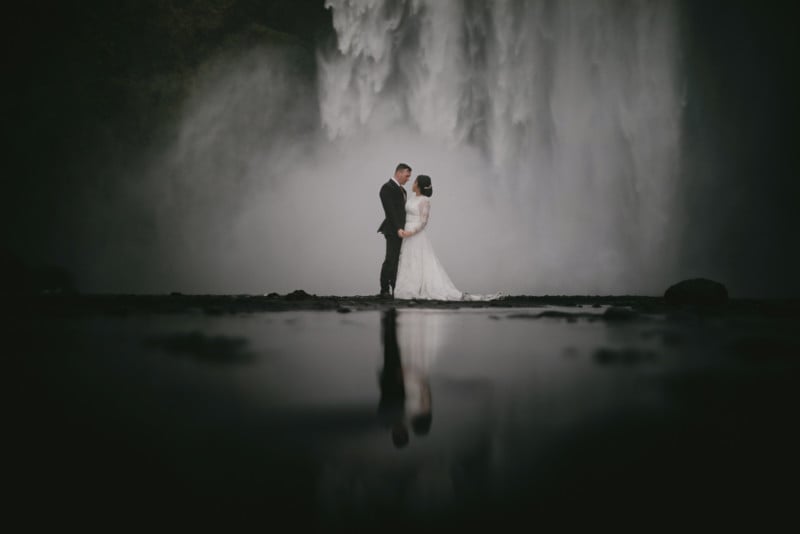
418 210
420 275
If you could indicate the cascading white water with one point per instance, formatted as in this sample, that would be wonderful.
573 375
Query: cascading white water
557 122
550 129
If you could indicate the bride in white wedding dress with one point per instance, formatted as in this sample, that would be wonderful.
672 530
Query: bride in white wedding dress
419 273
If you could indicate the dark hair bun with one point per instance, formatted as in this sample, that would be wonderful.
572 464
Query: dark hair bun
424 184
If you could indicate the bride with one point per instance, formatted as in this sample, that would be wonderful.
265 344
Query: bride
419 273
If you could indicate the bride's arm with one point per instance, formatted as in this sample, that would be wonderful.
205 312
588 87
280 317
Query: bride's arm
424 213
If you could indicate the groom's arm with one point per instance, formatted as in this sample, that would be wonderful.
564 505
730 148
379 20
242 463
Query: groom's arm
395 216
400 212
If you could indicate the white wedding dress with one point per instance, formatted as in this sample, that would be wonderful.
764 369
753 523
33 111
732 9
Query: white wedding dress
419 273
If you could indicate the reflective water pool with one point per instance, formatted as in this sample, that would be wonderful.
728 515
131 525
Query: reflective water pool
412 415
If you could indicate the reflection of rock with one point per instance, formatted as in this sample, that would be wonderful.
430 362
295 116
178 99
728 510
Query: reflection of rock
203 348
626 356
697 292
668 337
617 313
553 314
613 313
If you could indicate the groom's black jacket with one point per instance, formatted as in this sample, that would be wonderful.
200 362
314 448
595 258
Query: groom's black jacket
394 206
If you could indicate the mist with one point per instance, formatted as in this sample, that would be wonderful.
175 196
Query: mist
550 132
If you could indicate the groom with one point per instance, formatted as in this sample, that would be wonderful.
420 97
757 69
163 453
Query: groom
393 198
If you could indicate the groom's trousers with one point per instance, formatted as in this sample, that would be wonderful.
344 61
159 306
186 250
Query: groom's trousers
389 268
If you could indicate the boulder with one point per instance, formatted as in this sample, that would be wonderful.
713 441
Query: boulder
298 294
697 292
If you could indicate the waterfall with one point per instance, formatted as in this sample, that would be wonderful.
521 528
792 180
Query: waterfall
551 131
557 121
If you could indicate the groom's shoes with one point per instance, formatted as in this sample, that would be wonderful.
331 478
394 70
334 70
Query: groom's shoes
385 295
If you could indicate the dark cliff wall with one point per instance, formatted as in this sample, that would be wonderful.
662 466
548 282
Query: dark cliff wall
92 85
741 165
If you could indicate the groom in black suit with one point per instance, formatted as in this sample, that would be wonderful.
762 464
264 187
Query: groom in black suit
393 198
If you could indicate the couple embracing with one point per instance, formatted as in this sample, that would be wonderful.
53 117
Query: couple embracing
411 269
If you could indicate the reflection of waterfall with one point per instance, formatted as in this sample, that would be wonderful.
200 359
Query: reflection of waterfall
572 107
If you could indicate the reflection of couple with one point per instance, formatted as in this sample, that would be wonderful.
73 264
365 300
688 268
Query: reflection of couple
411 268
405 390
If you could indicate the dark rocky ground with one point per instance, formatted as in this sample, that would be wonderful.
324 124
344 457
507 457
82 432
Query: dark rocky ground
622 306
